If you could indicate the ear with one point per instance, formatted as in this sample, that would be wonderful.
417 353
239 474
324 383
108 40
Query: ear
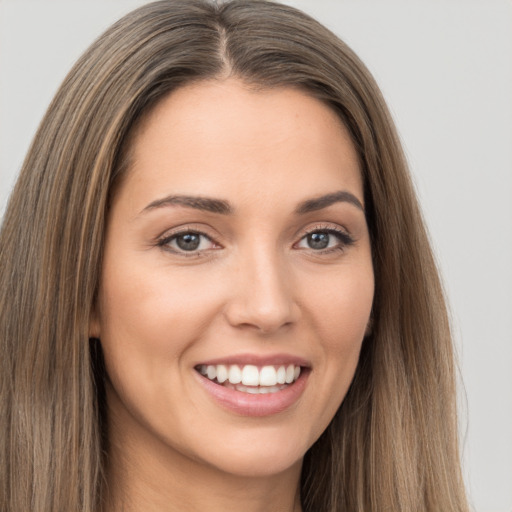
369 326
94 322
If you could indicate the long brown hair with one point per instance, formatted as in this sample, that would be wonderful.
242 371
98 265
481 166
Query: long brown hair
393 443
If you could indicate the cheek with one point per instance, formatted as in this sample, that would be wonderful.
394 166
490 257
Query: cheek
340 315
342 306
152 305
149 321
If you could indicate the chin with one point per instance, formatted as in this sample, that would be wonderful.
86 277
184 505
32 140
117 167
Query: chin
259 454
260 465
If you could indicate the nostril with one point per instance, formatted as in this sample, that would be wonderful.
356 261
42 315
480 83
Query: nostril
264 320
262 298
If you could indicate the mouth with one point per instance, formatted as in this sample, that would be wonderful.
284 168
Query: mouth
250 378
252 385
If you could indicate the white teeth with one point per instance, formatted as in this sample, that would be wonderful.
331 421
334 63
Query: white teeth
235 374
268 376
290 372
222 373
267 379
256 390
270 389
281 375
211 372
250 375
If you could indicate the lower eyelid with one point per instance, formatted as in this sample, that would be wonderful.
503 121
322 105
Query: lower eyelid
166 240
343 237
342 241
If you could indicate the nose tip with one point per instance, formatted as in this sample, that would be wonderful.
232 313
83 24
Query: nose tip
266 318
263 300
262 323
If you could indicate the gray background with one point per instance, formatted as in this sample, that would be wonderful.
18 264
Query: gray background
446 70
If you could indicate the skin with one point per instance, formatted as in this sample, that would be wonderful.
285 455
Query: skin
254 286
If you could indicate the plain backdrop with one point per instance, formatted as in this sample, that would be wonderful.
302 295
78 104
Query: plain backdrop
445 69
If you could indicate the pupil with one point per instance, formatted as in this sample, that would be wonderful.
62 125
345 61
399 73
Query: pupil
188 242
318 240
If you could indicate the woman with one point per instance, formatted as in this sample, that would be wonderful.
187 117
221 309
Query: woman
216 205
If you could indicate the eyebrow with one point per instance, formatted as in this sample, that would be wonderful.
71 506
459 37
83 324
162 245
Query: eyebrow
199 203
223 207
318 203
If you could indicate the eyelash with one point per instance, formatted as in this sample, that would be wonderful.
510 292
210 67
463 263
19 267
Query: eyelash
345 240
166 240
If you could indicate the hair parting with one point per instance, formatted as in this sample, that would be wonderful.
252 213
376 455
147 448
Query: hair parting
392 444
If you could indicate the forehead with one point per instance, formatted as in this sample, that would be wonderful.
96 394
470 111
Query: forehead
220 137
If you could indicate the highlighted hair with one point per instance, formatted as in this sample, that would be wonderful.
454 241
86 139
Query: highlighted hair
393 443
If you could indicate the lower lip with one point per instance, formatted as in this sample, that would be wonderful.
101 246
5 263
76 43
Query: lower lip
246 404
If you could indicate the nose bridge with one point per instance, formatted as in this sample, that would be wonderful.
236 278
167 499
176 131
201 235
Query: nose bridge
263 297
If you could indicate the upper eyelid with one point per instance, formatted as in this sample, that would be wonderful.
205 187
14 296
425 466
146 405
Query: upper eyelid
171 236
345 237
164 243
184 229
327 226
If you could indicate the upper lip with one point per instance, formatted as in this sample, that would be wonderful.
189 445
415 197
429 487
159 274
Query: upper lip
257 360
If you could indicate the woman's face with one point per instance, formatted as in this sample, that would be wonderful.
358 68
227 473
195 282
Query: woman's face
236 246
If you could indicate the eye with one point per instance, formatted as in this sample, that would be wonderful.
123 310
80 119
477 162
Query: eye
187 242
325 239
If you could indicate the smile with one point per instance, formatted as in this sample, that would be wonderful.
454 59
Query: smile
252 385
251 378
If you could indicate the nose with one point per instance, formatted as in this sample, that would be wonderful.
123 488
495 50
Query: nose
262 297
